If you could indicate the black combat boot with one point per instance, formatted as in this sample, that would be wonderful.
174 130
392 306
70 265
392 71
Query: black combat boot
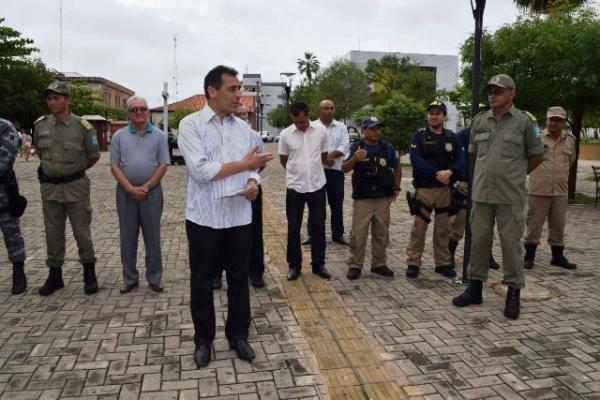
559 260
513 303
53 283
452 245
528 261
470 296
19 283
90 284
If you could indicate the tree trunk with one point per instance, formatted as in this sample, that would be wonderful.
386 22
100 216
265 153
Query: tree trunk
576 130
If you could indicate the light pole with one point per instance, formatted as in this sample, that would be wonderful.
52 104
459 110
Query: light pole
288 91
477 8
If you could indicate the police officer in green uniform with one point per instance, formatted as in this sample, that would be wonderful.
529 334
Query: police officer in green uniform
506 145
67 145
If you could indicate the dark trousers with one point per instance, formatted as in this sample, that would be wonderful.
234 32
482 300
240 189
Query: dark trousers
208 247
294 210
335 197
257 254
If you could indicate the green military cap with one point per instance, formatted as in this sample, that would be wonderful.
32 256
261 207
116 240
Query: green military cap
503 81
59 87
556 111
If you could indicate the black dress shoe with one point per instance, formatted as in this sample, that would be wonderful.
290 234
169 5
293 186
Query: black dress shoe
306 242
340 240
156 287
216 283
242 349
322 272
128 288
293 273
257 282
202 355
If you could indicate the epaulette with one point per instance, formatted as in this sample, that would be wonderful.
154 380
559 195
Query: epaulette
85 124
478 114
43 117
530 115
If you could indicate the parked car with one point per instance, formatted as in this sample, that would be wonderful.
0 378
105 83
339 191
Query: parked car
353 134
267 136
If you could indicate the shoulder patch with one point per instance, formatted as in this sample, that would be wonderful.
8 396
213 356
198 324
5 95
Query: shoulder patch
43 117
85 124
530 115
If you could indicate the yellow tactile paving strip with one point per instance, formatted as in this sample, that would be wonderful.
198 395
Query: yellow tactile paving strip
352 363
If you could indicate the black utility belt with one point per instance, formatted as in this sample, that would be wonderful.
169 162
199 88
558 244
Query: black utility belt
43 178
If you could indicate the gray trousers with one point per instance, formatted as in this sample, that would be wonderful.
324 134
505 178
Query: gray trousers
133 215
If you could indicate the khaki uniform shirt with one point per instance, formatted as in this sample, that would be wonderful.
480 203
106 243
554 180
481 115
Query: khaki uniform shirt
503 147
64 148
551 177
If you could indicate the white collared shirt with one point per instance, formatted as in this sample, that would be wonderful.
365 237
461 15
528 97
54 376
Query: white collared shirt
304 169
338 140
206 144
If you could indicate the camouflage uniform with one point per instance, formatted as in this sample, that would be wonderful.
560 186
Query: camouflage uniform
9 224
15 246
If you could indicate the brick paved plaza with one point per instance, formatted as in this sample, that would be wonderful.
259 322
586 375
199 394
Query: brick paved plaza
370 338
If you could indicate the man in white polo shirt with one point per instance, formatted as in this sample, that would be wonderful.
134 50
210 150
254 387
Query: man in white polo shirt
303 150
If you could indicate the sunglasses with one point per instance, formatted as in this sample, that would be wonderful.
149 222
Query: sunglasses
138 109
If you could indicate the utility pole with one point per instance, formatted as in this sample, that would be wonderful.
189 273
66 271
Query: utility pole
477 8
165 96
175 77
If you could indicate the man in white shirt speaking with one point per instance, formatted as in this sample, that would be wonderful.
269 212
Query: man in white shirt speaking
303 149
334 187
222 161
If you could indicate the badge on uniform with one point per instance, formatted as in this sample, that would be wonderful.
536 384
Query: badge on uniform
448 147
94 140
536 130
382 162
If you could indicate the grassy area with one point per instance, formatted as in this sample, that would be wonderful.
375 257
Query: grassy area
581 198
591 178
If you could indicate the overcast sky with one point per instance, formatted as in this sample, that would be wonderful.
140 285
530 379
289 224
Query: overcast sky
131 41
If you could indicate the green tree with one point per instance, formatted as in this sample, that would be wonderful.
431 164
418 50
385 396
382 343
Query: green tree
554 61
176 116
309 66
22 79
345 84
308 94
393 74
86 101
401 116
278 117
544 6
13 47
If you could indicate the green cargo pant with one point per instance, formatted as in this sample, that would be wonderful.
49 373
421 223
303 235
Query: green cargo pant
55 218
511 221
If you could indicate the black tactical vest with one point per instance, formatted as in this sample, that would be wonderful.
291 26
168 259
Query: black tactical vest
373 177
438 152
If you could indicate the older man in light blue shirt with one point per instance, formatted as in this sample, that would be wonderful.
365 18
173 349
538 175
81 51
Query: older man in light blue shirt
220 154
339 142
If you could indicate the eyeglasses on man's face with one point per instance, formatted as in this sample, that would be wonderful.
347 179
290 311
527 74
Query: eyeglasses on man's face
138 109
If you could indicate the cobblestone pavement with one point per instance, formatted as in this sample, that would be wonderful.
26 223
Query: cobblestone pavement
372 338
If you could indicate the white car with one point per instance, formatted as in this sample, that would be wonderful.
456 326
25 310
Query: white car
268 137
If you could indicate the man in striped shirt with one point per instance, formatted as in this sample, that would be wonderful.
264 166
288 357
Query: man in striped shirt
222 161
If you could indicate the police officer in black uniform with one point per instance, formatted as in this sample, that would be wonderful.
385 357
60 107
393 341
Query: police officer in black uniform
437 157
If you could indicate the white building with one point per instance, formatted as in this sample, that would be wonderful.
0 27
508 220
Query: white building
272 95
445 68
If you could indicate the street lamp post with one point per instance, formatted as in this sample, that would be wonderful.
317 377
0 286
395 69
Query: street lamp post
478 8
288 91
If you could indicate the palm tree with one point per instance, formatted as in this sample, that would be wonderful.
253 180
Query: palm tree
543 6
308 66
